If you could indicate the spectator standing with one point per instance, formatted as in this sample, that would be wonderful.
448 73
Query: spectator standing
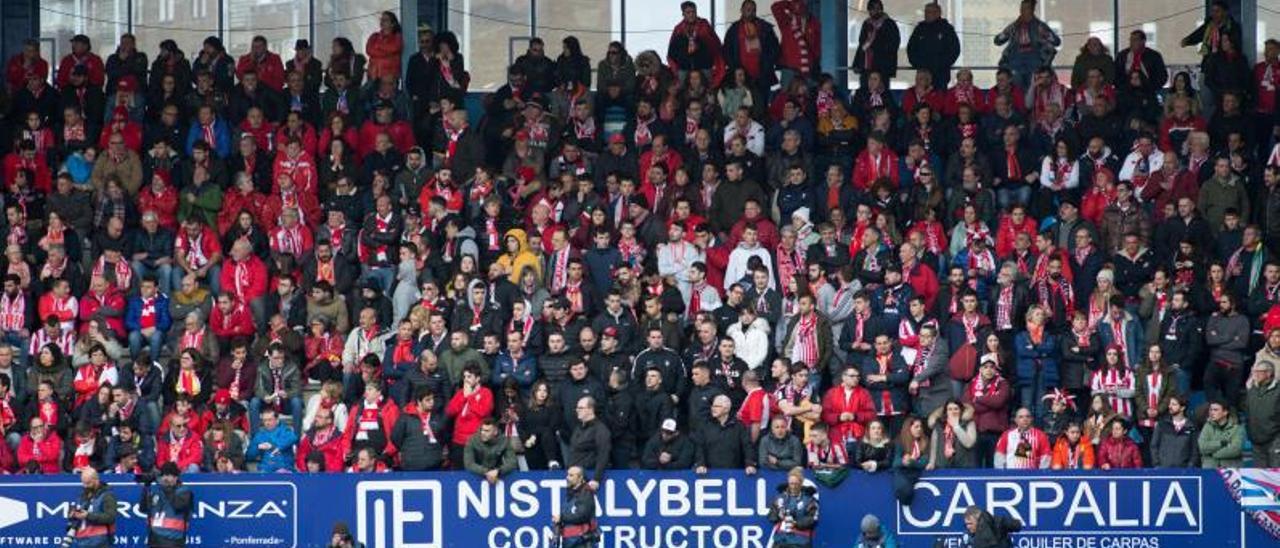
1028 43
934 46
878 42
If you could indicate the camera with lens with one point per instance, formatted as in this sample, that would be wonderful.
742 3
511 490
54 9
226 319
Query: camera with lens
145 478
73 524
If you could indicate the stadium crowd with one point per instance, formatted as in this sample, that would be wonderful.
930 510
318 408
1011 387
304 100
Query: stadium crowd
713 259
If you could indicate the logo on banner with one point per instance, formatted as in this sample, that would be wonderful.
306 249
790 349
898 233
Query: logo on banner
401 514
29 511
1258 492
1060 505
12 512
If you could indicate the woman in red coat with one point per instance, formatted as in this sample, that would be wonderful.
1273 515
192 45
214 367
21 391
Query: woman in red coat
160 198
1118 450
384 47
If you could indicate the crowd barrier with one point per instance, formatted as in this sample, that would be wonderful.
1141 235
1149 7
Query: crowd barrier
1117 509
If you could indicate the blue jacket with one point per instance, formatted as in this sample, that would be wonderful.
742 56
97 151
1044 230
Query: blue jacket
1135 352
280 456
525 370
600 264
133 313
793 197
221 137
1029 355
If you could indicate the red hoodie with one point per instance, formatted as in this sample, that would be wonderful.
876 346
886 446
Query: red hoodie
467 412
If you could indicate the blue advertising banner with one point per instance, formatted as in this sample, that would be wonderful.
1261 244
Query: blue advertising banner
1133 509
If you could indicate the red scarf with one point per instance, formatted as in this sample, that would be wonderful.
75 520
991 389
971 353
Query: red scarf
121 268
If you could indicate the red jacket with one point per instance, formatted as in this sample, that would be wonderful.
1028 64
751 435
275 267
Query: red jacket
383 50
306 137
233 202
1170 123
924 281
131 132
47 452
935 98
865 171
246 280
766 232
262 135
164 205
279 242
858 402
350 136
46 308
97 70
972 96
301 169
333 450
269 68
91 304
401 136
467 412
789 17
184 452
388 413
196 423
43 178
1007 232
306 202
17 69
1118 453
239 323
672 160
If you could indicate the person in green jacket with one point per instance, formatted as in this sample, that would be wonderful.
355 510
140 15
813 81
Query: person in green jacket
1223 191
488 453
1222 440
1262 403
202 195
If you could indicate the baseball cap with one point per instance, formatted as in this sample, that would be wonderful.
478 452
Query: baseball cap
611 332
617 138
669 425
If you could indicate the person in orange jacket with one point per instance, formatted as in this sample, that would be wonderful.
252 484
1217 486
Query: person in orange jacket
1072 451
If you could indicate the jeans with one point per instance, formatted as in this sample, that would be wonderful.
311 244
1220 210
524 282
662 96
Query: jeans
210 278
1223 383
384 274
155 343
163 274
1031 393
1008 195
1023 66
148 417
293 408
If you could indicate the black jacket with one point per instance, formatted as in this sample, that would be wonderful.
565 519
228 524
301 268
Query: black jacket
768 55
589 448
417 451
679 447
724 445
933 46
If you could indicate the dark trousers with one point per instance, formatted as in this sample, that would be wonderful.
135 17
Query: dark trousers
1223 382
984 450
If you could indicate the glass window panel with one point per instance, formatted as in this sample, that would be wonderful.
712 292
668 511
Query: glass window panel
282 22
1165 23
103 21
594 22
187 22
1268 22
649 24
354 20
484 29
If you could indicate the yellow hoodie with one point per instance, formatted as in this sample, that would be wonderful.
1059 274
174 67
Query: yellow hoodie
516 263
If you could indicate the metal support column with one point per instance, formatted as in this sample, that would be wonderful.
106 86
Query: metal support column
834 15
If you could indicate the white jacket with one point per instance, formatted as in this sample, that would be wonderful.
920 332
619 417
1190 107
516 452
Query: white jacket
753 345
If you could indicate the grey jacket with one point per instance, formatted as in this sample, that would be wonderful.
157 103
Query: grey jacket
788 451
1226 337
